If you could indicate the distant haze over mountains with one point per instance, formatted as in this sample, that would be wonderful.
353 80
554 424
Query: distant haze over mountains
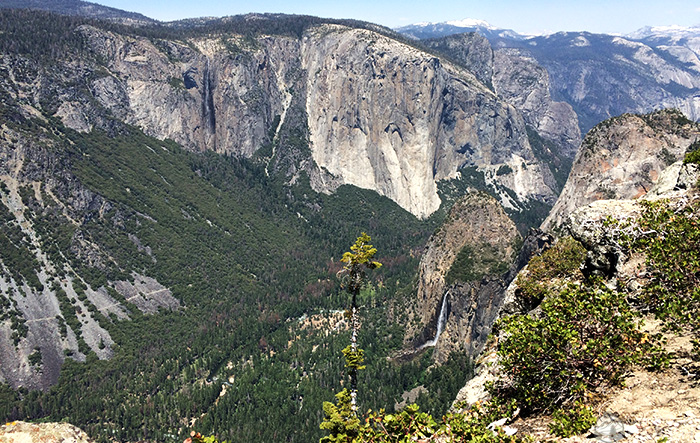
423 30
601 75
427 30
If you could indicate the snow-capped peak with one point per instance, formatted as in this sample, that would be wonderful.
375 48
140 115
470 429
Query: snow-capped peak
665 31
470 23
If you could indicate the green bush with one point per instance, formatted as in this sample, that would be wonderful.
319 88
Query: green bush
670 239
584 339
572 421
563 260
411 425
693 153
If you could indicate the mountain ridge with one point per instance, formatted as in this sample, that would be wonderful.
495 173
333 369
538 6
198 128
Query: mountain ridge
601 75
81 8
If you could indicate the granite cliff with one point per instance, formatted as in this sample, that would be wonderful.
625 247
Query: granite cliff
394 119
622 158
377 113
516 77
464 271
336 103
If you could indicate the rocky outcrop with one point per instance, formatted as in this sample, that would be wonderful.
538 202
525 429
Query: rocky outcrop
598 226
465 259
601 76
22 432
590 225
623 158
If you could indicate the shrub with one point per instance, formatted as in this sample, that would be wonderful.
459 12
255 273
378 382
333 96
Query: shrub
562 260
584 339
670 239
411 425
572 421
693 153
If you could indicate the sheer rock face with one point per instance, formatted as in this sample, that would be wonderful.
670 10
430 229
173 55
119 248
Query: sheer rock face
524 83
622 158
379 114
388 117
477 222
521 81
202 95
471 49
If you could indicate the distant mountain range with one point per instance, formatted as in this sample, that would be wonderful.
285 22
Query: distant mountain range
425 30
428 30
602 75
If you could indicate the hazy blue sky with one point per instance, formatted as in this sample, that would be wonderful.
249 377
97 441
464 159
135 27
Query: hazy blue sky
524 16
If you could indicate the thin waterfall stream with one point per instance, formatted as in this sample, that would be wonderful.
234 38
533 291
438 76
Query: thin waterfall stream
208 100
440 324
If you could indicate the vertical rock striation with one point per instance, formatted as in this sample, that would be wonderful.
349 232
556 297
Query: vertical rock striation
622 158
388 117
467 257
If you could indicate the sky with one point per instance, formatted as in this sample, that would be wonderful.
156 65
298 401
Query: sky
523 16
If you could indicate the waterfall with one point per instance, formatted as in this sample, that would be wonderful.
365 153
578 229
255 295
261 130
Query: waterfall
208 100
440 324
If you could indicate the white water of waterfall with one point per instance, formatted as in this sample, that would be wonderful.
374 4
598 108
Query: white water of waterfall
440 324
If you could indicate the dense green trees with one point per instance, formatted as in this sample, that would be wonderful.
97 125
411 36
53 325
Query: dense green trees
247 281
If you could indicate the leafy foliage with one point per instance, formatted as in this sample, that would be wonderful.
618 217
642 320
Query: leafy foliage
411 425
573 420
354 359
670 239
582 338
585 338
196 437
693 154
562 261
341 419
